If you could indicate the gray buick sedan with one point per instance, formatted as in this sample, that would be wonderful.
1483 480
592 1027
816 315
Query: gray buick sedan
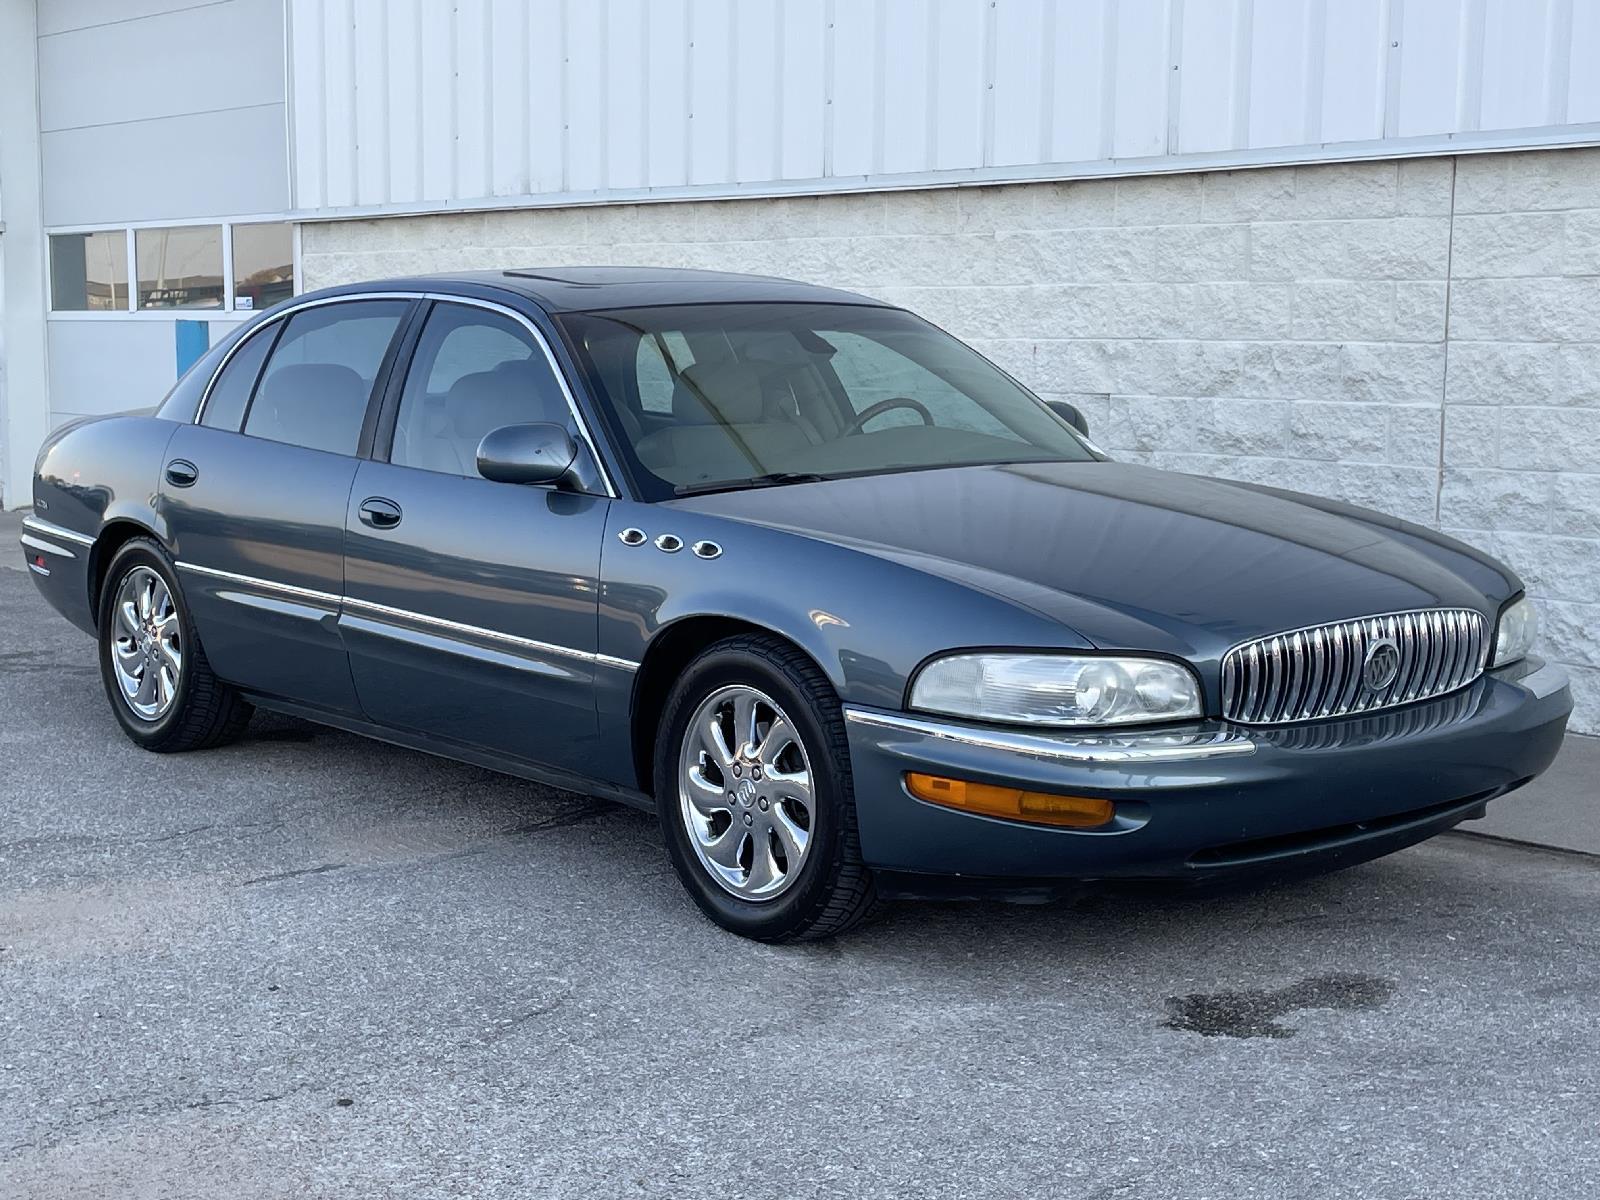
851 610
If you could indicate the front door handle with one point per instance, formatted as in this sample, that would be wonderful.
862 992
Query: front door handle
182 473
380 513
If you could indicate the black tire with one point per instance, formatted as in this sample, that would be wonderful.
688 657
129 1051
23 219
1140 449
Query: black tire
833 890
205 711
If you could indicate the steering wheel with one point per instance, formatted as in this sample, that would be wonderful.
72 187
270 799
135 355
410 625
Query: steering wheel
883 406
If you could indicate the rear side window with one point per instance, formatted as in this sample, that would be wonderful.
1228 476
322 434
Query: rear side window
318 380
230 394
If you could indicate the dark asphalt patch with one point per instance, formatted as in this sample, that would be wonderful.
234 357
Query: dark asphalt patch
1252 1013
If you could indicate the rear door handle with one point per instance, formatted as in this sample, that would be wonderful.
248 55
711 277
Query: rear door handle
380 513
182 473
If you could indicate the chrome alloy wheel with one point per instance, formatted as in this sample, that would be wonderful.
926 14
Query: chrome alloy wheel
745 793
147 644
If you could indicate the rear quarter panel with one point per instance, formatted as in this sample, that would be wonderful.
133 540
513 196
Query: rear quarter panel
90 477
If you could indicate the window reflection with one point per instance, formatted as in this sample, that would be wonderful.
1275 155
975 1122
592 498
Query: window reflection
180 268
89 271
263 265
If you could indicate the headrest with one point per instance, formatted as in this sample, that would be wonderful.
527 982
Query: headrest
513 393
318 405
721 394
300 386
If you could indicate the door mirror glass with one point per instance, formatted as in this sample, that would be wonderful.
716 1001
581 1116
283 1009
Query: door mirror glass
534 453
1071 414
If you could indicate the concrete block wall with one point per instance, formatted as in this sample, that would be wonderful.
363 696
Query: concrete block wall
1420 336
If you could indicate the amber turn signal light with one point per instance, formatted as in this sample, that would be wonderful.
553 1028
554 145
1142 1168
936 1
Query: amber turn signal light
1042 808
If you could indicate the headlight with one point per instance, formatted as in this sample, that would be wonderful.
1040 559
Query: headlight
1057 689
1519 625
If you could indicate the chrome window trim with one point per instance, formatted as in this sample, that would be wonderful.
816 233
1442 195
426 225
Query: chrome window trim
369 609
1067 746
584 433
50 529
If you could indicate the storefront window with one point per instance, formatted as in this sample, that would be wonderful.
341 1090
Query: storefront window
89 271
263 265
180 268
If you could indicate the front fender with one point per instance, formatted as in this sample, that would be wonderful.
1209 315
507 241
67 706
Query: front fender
866 621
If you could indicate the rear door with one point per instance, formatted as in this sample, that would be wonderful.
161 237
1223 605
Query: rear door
255 495
471 606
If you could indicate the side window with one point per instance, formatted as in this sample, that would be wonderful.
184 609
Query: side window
315 388
870 371
473 371
230 394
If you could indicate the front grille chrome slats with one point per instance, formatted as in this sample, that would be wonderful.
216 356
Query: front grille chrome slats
1322 672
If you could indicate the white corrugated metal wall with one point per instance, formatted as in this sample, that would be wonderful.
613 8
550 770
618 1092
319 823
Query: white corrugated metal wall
416 104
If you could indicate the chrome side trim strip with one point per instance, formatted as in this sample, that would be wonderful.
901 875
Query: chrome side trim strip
384 611
50 529
493 635
446 645
34 543
1068 746
327 599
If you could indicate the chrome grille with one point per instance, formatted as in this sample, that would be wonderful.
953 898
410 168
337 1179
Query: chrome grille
1316 673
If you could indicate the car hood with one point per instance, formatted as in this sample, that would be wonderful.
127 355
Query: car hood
1131 557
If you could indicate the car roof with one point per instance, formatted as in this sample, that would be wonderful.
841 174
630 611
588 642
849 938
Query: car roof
579 289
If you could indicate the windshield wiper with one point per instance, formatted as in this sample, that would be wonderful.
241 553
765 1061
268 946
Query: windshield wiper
772 479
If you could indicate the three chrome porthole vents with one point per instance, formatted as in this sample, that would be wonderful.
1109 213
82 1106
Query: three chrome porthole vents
670 543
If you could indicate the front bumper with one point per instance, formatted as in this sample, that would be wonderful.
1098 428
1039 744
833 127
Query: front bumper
1211 798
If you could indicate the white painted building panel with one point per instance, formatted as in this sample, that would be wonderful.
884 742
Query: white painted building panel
58 16
1084 80
1143 74
802 88
908 96
1433 66
1583 96
150 170
111 73
1281 40
1355 67
853 109
956 133
549 101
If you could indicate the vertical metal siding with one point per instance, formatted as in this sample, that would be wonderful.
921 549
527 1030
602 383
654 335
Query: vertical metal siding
418 102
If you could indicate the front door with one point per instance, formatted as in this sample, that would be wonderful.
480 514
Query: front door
471 606
254 497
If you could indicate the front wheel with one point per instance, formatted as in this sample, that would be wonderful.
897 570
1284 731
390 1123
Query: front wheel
156 676
754 794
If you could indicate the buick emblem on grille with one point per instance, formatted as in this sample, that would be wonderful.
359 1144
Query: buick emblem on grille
1381 666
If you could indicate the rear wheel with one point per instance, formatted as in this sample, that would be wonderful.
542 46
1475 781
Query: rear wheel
754 794
156 676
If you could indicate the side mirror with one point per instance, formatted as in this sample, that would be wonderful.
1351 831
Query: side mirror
1071 414
537 453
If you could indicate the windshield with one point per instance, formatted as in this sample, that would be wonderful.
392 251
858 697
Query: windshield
708 396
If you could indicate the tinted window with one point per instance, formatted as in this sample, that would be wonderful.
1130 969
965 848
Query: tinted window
231 393
473 371
314 391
